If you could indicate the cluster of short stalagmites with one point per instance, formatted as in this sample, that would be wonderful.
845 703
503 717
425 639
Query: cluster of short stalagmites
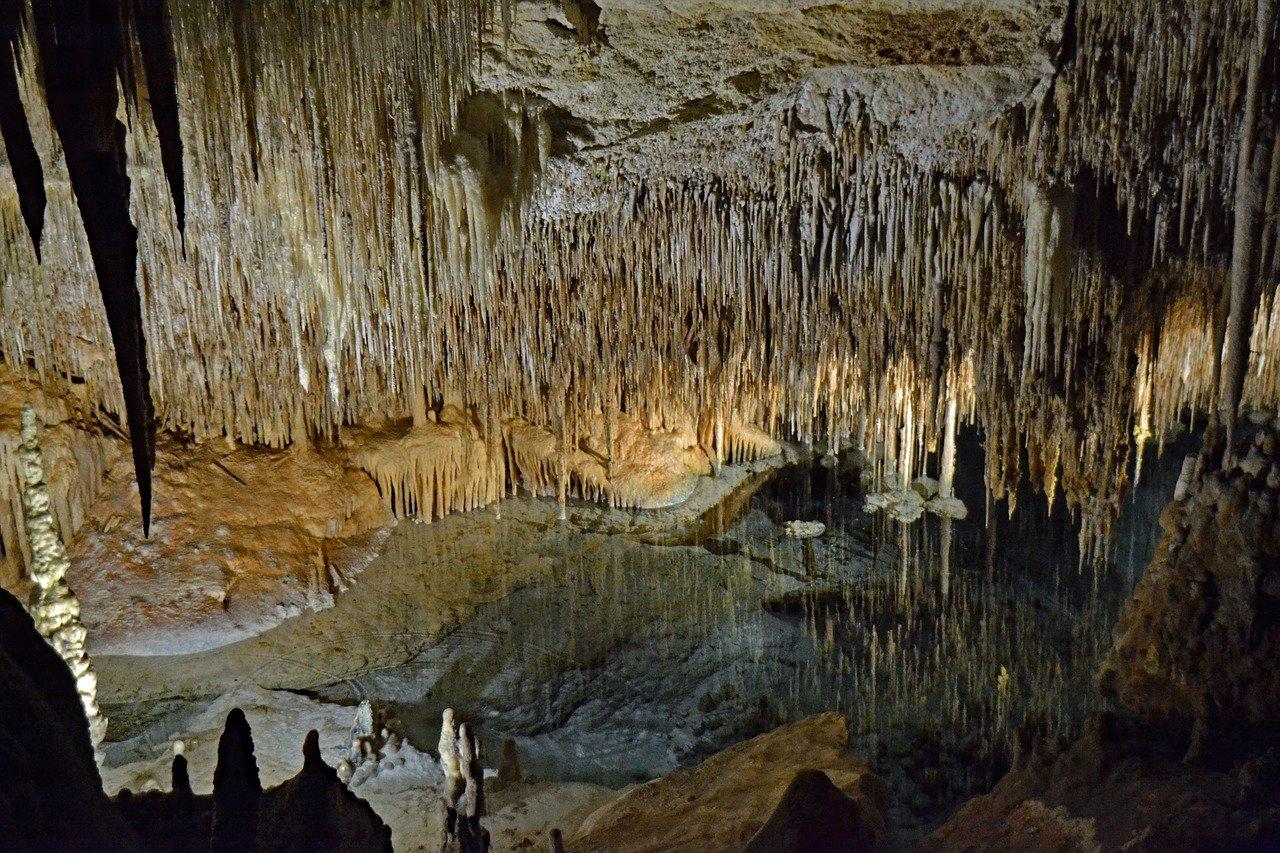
376 739
54 607
1198 641
462 794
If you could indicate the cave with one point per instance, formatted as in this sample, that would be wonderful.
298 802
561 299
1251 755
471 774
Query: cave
640 425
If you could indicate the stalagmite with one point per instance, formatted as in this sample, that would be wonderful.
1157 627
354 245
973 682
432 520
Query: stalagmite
509 772
463 791
375 735
237 790
54 606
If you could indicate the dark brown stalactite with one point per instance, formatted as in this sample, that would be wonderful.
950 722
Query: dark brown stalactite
28 174
80 49
155 43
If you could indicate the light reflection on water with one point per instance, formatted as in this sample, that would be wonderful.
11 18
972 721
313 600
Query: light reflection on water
628 660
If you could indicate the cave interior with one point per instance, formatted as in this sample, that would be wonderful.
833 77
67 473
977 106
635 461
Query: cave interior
620 425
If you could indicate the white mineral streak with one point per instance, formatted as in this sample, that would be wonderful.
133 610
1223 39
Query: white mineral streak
54 606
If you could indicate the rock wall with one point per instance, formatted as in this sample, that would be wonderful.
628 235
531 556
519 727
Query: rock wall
1199 640
77 451
242 538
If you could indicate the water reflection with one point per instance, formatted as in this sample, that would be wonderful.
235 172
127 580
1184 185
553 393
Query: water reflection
937 640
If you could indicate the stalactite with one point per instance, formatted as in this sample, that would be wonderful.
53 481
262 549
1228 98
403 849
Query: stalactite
81 49
1066 259
24 160
429 471
154 37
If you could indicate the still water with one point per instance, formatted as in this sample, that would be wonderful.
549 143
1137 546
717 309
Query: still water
625 660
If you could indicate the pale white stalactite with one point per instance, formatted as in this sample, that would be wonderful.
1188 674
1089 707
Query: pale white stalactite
1048 259
946 480
54 606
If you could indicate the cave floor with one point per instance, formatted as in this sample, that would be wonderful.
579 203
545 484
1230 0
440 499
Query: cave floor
614 647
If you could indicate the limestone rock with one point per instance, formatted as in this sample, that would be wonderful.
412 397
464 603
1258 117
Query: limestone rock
723 802
51 794
243 537
1116 788
1200 636
237 790
75 456
814 815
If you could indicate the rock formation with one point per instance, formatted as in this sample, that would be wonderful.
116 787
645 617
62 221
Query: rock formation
53 604
313 811
237 791
242 538
814 814
75 451
52 795
470 247
723 803
852 224
1200 637
374 735
462 794
1119 788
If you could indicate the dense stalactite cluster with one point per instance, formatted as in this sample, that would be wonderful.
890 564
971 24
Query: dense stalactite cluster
75 461
1050 270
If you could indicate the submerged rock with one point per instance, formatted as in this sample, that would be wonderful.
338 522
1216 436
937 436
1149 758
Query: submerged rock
804 529
724 802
